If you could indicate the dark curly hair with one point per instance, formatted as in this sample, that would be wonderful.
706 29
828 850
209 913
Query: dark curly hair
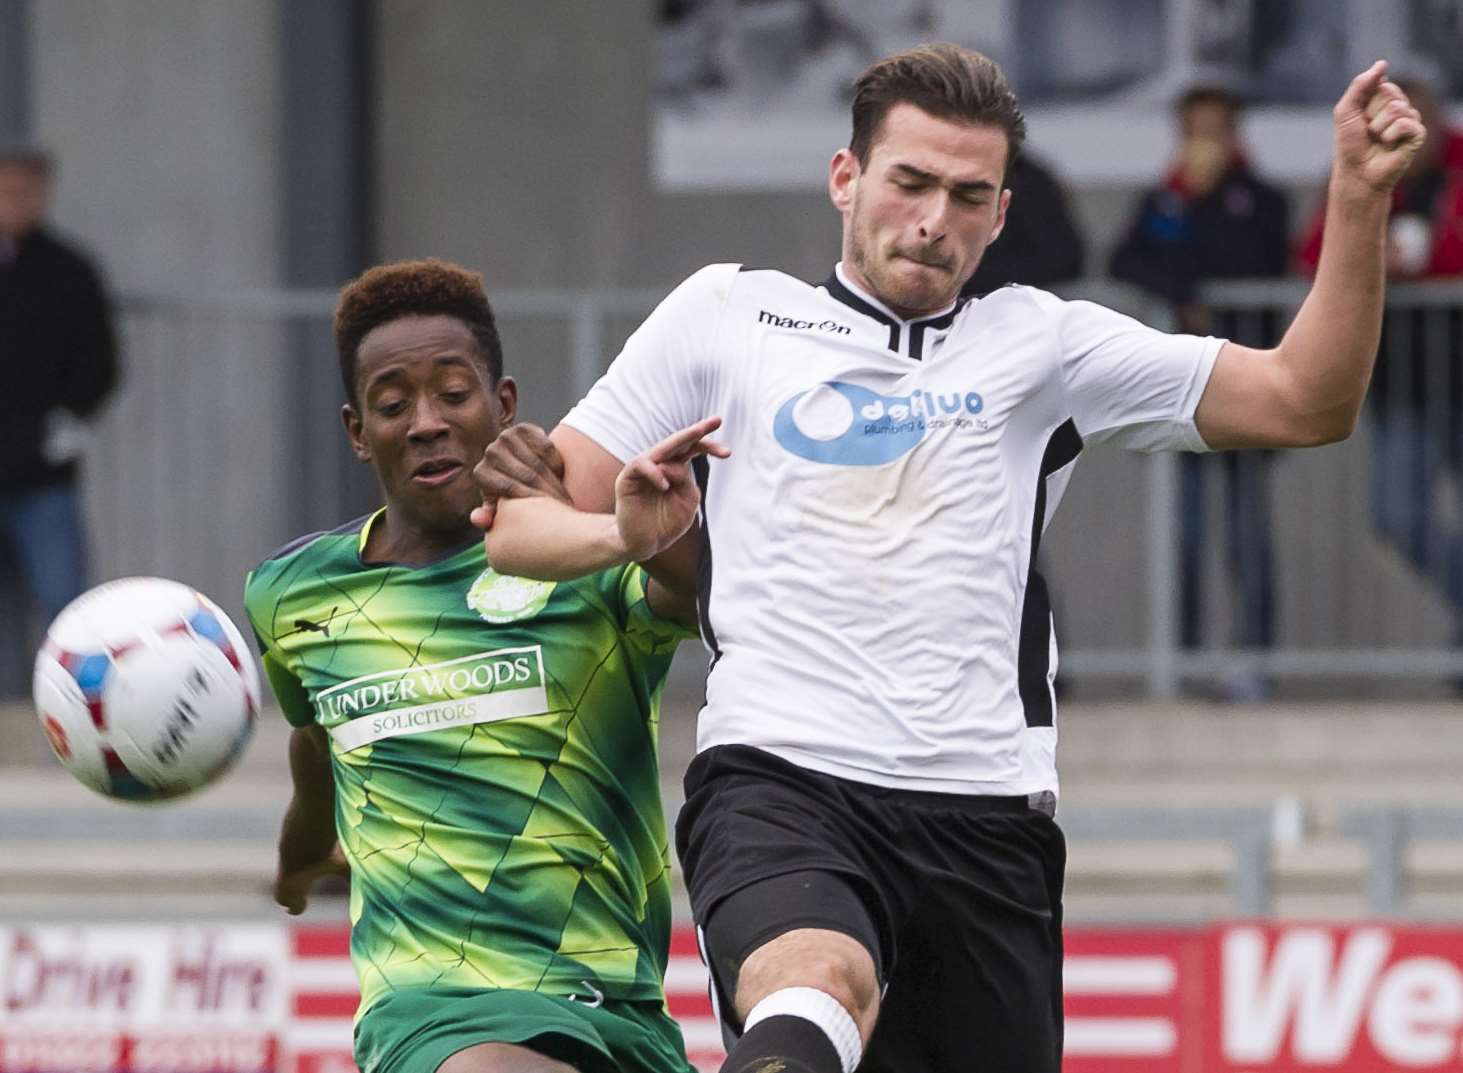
413 289
948 82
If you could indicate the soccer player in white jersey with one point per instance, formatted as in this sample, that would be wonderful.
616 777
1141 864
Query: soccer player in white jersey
868 834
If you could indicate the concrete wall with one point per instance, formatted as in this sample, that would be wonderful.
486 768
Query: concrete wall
516 138
165 117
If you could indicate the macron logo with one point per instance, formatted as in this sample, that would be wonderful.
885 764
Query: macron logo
830 326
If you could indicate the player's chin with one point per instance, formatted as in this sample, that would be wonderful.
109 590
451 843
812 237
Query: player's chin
924 286
444 500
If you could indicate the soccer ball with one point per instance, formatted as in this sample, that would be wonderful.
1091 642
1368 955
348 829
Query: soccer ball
145 689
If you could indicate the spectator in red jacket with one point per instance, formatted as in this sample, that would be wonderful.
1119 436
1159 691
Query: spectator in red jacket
1417 388
1427 205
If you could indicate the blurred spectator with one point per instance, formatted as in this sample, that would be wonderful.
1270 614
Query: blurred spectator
1040 245
1416 395
60 364
1211 218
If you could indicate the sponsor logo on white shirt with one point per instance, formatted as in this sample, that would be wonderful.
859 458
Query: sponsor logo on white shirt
847 425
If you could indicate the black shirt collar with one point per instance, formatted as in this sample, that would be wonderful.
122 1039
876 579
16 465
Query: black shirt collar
855 297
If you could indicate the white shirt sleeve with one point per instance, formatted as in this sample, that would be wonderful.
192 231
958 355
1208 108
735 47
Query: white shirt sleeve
1130 385
664 378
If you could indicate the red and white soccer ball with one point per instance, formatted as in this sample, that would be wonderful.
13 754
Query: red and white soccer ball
145 689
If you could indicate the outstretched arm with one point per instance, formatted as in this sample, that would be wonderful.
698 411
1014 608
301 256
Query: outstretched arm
655 499
1308 390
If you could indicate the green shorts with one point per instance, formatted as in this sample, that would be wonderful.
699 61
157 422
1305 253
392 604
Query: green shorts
416 1030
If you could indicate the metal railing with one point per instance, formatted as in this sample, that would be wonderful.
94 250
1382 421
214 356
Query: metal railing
1246 830
1382 888
225 442
1389 832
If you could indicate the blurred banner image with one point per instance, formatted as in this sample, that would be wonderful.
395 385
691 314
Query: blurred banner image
754 94
251 998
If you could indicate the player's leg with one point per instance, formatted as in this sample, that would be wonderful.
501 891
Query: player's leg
978 982
795 956
502 1058
795 933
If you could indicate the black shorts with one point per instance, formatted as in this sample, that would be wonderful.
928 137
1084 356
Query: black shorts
957 898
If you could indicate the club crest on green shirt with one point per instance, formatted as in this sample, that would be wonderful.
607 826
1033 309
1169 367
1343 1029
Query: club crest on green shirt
500 598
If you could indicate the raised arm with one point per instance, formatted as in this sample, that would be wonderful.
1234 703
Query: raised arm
1308 390
534 533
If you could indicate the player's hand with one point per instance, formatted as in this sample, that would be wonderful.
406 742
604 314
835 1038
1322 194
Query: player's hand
656 495
292 889
1377 130
521 462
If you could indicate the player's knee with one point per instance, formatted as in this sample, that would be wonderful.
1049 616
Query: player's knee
849 980
826 961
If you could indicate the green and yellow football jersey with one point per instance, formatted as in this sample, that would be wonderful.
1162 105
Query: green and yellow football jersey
494 750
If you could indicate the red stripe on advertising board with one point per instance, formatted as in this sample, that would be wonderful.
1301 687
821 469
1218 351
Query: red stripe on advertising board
326 1004
1104 1063
689 1004
322 942
1113 942
1122 1006
325 1062
1124 995
683 942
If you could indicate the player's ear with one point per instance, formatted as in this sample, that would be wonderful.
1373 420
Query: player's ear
354 431
507 396
1002 204
843 174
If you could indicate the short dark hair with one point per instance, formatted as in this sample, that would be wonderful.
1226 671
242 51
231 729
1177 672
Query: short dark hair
1195 96
413 289
946 81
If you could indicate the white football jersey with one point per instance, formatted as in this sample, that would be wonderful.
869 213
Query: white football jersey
867 589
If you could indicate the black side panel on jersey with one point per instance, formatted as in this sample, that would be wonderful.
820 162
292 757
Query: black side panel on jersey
1033 654
701 469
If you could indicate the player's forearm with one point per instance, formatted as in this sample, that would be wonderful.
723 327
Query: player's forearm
674 579
548 540
308 833
1330 348
677 568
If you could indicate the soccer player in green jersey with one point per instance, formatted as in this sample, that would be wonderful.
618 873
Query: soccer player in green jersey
479 750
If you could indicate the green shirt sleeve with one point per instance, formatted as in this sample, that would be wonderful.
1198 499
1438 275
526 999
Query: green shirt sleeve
293 698
289 691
